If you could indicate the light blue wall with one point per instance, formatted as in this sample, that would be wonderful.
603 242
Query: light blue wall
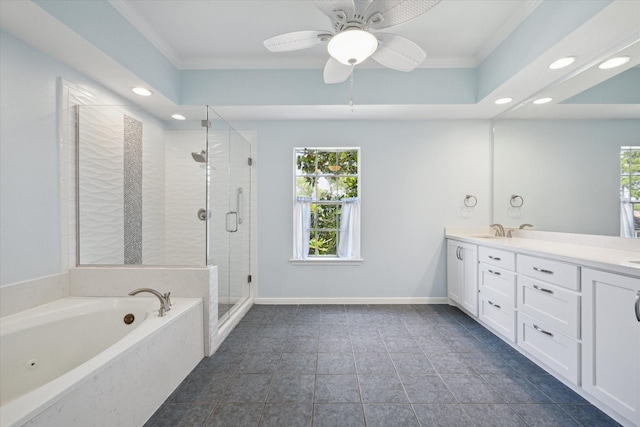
567 171
30 233
415 175
101 25
550 22
306 87
29 217
621 89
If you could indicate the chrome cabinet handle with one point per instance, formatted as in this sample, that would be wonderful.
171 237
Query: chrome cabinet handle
460 250
495 258
549 291
638 306
542 270
495 305
537 328
497 273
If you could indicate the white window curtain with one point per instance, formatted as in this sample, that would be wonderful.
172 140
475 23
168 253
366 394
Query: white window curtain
626 218
301 227
349 244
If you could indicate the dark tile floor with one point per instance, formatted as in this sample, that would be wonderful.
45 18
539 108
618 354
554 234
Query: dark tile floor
379 365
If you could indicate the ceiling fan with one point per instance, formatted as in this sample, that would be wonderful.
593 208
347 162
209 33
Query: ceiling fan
352 40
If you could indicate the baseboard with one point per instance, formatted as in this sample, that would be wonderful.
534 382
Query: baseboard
304 301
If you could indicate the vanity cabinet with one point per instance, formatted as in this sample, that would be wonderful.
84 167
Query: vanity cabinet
566 312
462 275
497 290
549 313
611 340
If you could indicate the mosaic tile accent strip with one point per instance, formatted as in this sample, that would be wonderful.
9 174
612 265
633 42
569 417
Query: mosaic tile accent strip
132 191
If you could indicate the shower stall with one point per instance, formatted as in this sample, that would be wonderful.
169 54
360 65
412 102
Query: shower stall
150 194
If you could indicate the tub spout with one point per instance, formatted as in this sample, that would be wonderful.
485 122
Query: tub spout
165 301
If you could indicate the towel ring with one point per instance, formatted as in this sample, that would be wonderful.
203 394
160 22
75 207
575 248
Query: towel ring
516 201
470 201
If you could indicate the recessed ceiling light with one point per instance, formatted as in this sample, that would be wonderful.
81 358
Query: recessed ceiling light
614 62
503 101
141 91
178 116
562 62
542 101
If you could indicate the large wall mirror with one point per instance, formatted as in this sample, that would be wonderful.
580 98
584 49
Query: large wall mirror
558 165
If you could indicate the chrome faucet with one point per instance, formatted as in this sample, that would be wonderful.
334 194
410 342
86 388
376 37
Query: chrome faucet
165 300
522 227
499 229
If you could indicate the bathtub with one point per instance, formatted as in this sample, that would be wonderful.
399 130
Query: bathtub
76 362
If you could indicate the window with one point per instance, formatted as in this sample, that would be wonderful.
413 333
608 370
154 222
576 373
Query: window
327 203
630 191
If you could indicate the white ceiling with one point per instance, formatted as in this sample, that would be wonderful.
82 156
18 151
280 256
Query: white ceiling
229 33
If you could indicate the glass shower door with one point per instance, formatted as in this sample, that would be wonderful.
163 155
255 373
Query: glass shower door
229 205
239 225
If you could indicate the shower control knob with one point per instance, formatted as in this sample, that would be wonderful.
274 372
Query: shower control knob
203 214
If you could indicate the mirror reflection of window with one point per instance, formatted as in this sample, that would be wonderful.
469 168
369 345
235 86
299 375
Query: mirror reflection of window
630 192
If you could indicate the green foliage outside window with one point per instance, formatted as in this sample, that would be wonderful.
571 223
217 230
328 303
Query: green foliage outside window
630 174
327 176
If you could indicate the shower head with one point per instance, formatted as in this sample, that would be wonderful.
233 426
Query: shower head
200 157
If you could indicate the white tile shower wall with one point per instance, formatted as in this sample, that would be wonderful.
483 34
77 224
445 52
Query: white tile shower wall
153 195
101 186
25 295
185 192
196 282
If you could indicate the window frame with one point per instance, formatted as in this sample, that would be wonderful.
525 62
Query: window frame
314 258
629 176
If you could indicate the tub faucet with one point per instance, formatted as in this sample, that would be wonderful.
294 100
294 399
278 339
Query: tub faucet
165 300
499 229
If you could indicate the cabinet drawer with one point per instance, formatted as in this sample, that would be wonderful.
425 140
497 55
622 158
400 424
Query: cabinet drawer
500 317
497 257
557 307
500 282
557 351
556 272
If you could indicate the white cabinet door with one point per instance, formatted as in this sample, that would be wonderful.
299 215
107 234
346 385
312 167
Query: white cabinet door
455 271
462 275
470 282
611 341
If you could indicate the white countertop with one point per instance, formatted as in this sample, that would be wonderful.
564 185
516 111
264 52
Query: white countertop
600 252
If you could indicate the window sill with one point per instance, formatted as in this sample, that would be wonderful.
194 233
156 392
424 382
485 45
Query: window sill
327 261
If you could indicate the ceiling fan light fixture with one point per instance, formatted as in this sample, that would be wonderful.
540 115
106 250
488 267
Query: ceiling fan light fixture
353 46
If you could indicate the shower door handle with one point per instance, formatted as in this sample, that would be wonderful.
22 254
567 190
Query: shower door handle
238 193
229 224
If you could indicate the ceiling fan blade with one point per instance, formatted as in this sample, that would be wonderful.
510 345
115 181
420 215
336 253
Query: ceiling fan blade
397 52
387 13
336 72
337 10
296 40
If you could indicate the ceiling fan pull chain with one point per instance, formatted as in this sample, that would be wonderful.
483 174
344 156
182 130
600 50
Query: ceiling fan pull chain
351 89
